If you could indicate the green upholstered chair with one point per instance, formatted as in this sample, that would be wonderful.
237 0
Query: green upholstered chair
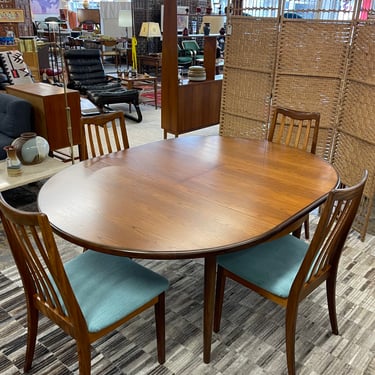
194 48
184 58
288 269
88 296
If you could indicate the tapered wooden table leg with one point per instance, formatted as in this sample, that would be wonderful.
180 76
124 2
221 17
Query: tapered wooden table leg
209 299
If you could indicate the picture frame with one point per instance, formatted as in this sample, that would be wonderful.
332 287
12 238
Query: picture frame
11 15
182 18
182 22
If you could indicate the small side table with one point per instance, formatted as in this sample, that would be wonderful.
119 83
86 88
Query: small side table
142 80
150 60
30 173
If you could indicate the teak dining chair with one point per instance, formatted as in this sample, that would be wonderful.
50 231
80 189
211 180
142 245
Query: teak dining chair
113 51
288 269
102 134
296 129
88 296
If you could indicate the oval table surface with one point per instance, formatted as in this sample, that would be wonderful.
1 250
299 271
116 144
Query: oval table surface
185 197
195 196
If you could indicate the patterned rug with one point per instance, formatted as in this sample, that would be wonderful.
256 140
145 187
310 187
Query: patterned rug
147 95
251 340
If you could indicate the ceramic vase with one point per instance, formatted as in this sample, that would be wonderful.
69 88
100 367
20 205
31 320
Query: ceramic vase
206 29
31 148
14 166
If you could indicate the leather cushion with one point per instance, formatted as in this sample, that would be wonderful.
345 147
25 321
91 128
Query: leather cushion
113 96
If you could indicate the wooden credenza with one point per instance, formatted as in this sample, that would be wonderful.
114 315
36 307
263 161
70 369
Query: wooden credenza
50 120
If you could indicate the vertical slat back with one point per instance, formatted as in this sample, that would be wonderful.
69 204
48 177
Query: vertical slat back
298 129
40 266
329 238
102 134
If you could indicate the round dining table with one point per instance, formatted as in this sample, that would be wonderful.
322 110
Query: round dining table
186 197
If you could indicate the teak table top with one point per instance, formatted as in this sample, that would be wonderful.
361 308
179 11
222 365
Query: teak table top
186 197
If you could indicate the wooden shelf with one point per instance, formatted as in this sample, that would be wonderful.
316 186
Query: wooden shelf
193 106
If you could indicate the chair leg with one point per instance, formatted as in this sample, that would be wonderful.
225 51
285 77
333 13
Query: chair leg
297 232
331 300
84 358
32 330
138 118
307 228
290 336
160 327
220 286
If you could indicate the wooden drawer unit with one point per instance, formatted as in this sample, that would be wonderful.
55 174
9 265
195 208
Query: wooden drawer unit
49 111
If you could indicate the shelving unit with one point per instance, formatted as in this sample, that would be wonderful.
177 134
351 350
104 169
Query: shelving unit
195 105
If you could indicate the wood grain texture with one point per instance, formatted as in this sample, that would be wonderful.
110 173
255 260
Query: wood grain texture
185 197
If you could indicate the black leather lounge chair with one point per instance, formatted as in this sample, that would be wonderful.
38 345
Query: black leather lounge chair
86 74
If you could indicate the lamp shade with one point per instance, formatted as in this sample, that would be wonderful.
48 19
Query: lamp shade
125 18
150 30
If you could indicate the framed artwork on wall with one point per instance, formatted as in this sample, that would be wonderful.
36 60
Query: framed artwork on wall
182 18
182 22
11 15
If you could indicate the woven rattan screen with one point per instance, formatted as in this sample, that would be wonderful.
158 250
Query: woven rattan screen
323 65
355 140
248 77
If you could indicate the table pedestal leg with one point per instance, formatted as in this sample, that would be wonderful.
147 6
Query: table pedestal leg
209 299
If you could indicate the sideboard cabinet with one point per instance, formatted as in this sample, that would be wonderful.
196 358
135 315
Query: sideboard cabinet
194 105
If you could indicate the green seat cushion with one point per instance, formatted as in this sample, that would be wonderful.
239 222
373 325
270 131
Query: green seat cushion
184 60
109 287
272 266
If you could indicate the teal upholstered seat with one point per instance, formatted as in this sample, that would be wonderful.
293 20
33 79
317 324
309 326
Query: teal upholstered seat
272 266
93 274
287 269
88 296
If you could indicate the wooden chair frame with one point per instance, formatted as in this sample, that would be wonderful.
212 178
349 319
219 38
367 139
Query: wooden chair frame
297 129
101 134
319 265
48 289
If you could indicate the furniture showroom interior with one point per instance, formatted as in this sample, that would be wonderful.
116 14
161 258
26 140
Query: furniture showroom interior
187 187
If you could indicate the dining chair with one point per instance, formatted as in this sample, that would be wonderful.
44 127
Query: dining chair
109 49
193 47
88 296
102 134
288 269
184 57
297 129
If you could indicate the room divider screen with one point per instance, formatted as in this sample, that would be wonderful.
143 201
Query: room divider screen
321 63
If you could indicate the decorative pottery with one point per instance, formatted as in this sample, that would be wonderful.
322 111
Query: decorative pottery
206 29
197 73
14 166
31 148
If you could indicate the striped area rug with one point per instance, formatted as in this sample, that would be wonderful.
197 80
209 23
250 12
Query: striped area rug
251 340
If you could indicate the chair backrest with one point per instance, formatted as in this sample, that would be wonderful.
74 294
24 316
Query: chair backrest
84 68
45 282
295 128
322 258
103 134
191 45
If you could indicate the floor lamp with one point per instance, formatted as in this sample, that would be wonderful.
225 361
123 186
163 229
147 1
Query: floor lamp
125 20
150 30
